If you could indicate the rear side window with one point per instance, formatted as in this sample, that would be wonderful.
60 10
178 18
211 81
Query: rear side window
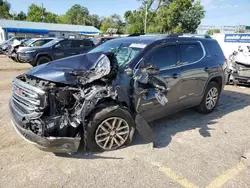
214 49
190 53
88 43
162 57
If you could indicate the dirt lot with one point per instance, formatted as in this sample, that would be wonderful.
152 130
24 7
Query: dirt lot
192 150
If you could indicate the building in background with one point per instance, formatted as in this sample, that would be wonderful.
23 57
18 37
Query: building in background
10 28
202 29
231 42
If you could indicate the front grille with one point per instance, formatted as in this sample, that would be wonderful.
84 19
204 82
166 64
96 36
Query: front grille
27 100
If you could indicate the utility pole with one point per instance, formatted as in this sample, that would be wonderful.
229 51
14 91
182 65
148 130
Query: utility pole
42 14
146 15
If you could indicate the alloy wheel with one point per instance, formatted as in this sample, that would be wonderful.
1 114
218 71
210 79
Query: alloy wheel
112 133
212 97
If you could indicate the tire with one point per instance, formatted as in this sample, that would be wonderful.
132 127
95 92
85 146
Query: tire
43 59
204 107
96 122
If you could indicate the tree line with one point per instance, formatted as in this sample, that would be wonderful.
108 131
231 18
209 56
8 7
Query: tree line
162 16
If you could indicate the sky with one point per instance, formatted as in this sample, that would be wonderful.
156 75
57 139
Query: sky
218 12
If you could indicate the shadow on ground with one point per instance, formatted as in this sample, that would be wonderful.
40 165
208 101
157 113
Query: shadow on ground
84 155
189 119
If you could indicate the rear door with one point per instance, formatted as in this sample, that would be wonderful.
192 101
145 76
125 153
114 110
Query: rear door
162 91
194 74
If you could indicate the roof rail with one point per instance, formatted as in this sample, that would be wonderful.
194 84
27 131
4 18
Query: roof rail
175 35
178 35
190 35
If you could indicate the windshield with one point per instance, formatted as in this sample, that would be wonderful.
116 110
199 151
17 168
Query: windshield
51 43
124 51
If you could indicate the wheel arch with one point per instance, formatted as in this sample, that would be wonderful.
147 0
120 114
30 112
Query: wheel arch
41 55
110 102
217 79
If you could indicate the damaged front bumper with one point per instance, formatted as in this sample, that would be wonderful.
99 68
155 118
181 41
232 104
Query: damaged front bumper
238 77
241 76
239 73
50 144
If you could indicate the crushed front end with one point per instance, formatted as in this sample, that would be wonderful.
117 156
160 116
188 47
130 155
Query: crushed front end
52 115
239 73
35 118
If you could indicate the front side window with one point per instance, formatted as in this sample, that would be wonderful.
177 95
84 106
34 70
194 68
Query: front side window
37 43
190 53
76 44
163 57
65 44
52 43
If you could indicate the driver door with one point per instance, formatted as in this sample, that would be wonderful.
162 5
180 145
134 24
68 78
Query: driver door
63 49
160 94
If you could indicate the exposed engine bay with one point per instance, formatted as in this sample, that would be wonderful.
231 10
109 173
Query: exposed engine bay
66 107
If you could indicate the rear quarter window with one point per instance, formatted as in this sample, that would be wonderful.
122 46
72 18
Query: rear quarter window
190 52
214 50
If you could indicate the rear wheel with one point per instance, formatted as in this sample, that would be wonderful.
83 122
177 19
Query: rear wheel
43 59
109 128
210 99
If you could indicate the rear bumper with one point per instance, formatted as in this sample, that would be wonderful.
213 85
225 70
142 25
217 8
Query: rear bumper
50 144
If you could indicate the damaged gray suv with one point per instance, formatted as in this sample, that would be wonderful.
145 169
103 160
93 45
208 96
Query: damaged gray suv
103 96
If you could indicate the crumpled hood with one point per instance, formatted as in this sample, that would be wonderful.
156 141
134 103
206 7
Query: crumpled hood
243 58
60 71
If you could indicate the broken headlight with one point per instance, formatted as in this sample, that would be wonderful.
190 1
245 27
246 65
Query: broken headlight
102 67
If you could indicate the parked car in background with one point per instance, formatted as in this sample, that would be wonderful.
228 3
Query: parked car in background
104 95
4 46
34 42
53 50
239 66
100 40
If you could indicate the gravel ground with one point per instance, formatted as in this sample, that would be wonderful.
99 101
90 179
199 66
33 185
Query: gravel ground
191 150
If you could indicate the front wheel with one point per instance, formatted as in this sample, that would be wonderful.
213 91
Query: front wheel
109 128
43 59
210 99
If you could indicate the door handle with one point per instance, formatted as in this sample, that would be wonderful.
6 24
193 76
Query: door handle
175 75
